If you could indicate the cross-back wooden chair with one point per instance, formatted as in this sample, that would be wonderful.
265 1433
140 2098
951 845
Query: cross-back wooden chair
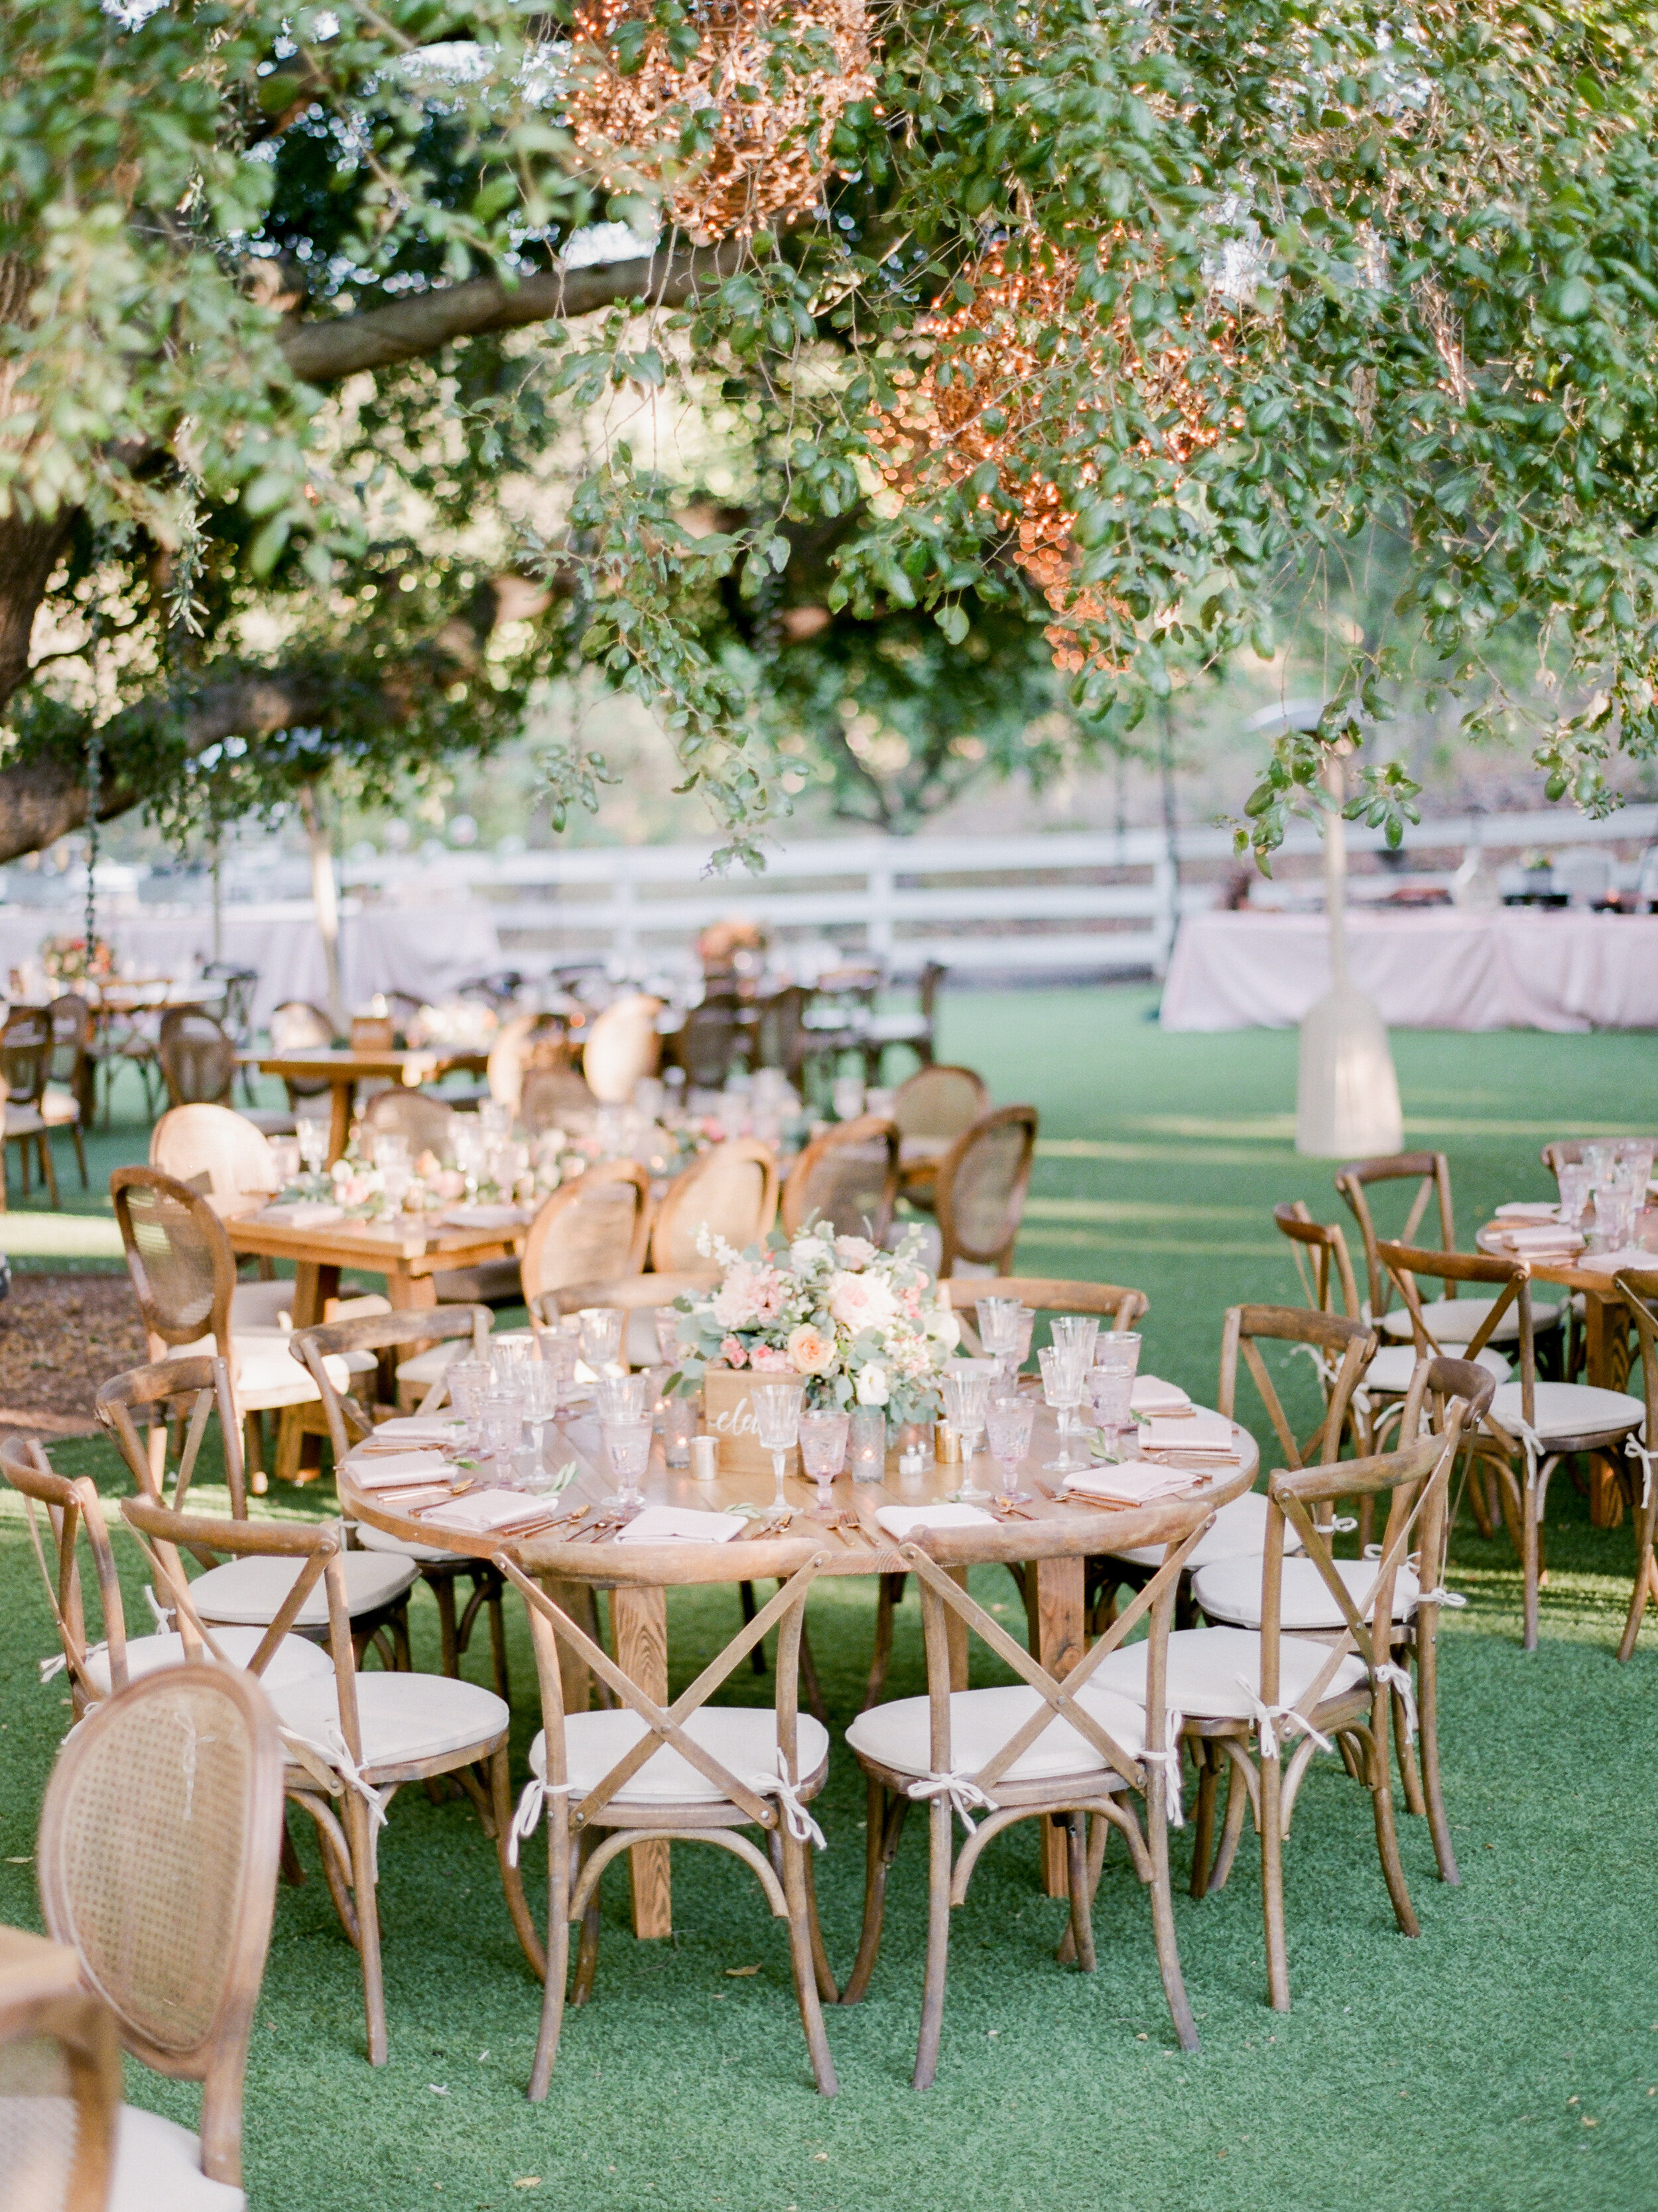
693 1771
847 1179
26 1047
1532 1424
979 1192
348 1424
60 2080
731 1191
243 1591
351 1740
1043 1748
75 1517
157 1853
1638 1288
1250 1684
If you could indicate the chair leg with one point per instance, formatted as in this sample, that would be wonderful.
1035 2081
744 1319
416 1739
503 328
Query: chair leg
1381 1791
290 1438
1277 1968
939 1869
1404 1751
253 1435
1237 1806
828 1988
1427 1730
805 1965
745 1599
1162 1918
1203 1819
1076 1881
48 1167
884 1826
368 1921
557 1952
1529 1559
23 1163
80 1152
512 1881
587 1955
1645 1571
442 1589
498 1643
890 1595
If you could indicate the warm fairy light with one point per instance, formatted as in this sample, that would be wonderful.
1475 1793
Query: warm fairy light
986 395
762 93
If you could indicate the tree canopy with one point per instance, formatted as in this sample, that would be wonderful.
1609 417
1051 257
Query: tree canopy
1063 335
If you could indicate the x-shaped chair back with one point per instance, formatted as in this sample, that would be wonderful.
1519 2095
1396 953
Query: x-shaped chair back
1320 1251
942 1596
795 1566
1638 1288
72 1507
157 1390
348 1423
1405 1262
1414 1481
1433 1171
1341 1349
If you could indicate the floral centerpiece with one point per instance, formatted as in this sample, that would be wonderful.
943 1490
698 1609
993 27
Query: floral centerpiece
67 960
856 1324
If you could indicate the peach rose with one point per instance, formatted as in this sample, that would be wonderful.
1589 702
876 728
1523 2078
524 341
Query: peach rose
810 1352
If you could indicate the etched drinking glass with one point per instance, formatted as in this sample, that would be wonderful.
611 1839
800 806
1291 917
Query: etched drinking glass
601 1336
823 1451
627 1447
967 1388
1008 1422
466 1381
999 1334
777 1419
1063 1372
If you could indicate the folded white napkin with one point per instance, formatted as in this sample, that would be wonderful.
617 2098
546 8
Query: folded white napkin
417 1429
1535 1243
1209 1433
899 1521
487 1512
1634 1256
304 1213
680 1524
1528 1209
1134 1482
1151 1394
391 1470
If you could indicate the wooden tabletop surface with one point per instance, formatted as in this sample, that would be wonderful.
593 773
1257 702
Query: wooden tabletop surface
340 1063
370 1244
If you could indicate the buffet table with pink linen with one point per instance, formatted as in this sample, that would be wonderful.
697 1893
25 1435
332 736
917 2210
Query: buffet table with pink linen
1432 969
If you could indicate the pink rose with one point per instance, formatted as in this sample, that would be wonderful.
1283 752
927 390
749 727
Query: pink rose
450 1183
854 1251
861 1302
766 1359
733 1354
810 1352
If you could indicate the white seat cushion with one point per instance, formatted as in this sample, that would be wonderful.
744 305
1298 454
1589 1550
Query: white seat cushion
23 1120
378 1540
266 1373
1454 1321
1230 1590
1238 1526
404 1718
1569 1409
58 1109
1394 1364
1205 1664
743 1738
251 1590
294 1659
898 1736
261 1305
427 1366
158 2168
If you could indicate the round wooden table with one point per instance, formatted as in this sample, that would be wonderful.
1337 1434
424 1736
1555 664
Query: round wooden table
568 1565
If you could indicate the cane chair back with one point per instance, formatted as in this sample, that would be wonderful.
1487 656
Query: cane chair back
846 1179
426 1124
983 1749
527 1041
159 1841
72 1511
594 1228
298 1026
26 1051
705 1043
217 1152
1340 1350
980 1193
198 1061
60 2081
781 1037
238 985
72 1028
1121 1307
622 1047
731 1191
1431 1172
937 1104
770 1794
179 1260
348 1423
550 1097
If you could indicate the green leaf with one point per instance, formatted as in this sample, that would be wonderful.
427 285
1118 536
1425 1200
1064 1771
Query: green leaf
952 621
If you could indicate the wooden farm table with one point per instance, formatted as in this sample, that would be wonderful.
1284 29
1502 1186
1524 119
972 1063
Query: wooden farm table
639 1579
344 1069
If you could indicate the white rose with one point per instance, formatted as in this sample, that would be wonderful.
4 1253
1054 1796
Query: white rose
861 1302
806 1252
944 1327
873 1387
854 1251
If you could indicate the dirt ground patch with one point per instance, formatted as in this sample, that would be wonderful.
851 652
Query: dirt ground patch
61 1336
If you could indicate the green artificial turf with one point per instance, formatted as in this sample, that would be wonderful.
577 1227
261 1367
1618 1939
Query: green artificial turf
1507 2060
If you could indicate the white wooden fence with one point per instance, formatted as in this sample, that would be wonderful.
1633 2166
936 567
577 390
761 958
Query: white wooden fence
1069 902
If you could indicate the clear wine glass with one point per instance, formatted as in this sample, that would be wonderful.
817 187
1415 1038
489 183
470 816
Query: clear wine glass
503 1429
627 1447
776 1417
1063 1369
1110 1384
311 1133
623 1398
539 1382
823 1452
966 1387
1076 1332
999 1334
601 1336
511 1354
558 1356
466 1381
1008 1422
666 1319
1574 1180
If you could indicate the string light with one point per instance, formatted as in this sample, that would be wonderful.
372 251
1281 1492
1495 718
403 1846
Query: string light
989 394
736 137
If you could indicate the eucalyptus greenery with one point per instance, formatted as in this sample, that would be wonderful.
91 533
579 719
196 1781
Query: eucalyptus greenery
305 426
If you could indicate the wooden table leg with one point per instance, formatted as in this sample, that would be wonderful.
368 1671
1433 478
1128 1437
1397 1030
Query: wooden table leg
1060 1644
574 1673
299 1449
641 1620
342 1092
956 1634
